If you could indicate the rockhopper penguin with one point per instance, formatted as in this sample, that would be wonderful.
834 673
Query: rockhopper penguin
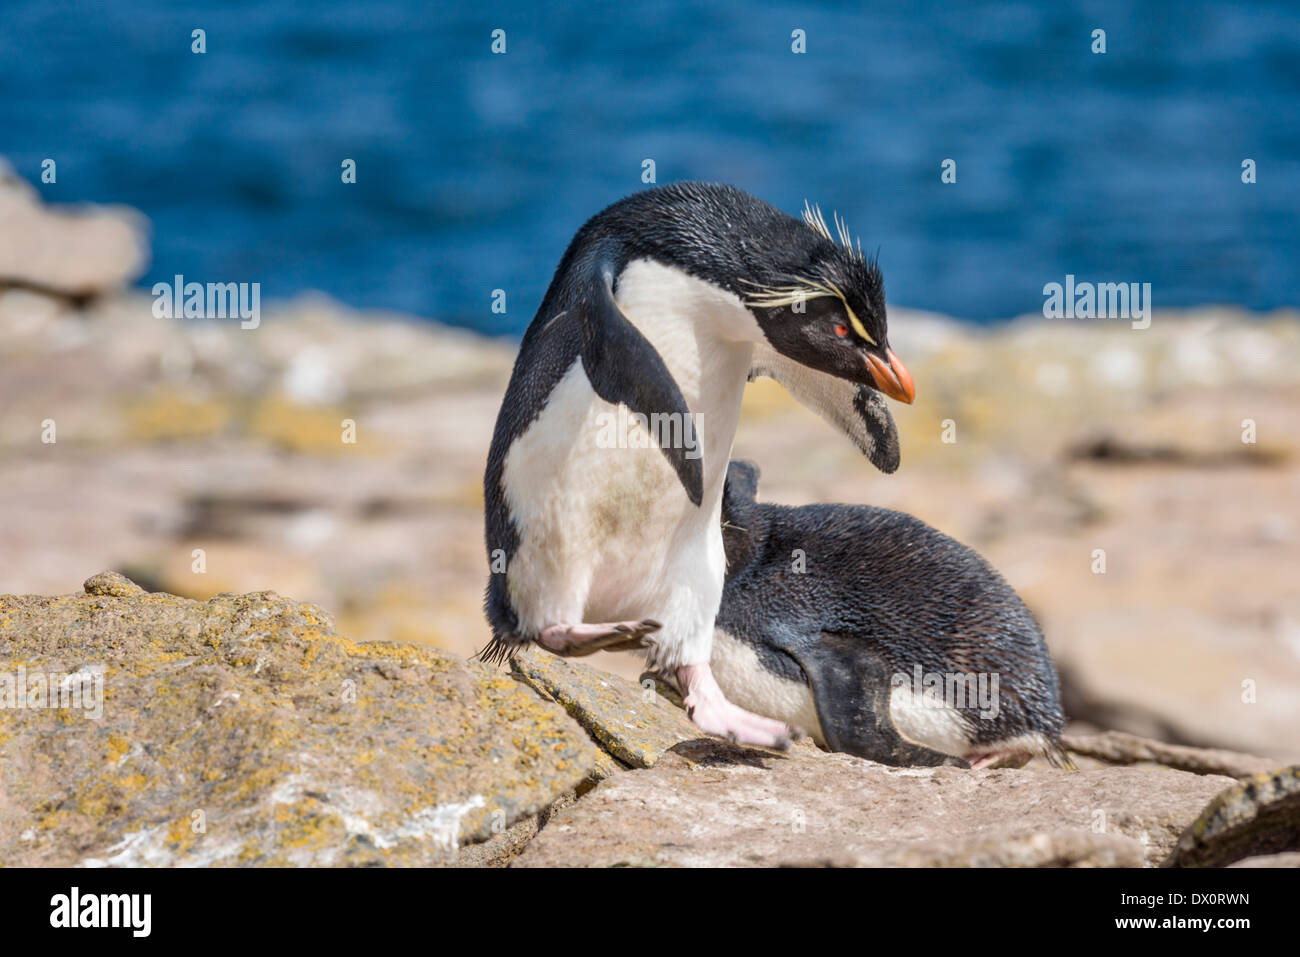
604 480
879 635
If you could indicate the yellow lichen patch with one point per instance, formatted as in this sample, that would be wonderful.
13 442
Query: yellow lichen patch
311 430
170 414
105 797
305 824
158 661
312 654
406 654
132 783
180 835
57 820
117 748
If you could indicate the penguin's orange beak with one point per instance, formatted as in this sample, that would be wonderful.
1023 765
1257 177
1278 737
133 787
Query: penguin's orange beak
893 379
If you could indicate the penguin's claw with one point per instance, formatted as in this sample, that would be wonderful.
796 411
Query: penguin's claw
579 640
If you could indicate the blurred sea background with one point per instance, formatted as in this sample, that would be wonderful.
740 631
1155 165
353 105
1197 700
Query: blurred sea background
474 169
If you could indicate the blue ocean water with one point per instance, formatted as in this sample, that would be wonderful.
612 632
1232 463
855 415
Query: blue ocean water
474 169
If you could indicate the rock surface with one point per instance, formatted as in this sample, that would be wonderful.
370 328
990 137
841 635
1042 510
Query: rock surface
244 730
1007 848
707 803
1116 747
1289 859
634 723
1259 816
141 728
72 251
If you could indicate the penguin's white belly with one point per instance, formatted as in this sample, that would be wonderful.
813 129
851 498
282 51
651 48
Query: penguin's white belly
606 530
935 725
928 723
922 721
747 683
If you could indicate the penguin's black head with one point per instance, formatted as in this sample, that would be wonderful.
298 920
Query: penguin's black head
826 310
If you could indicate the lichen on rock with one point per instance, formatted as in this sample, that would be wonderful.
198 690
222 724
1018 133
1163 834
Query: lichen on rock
1259 816
634 723
245 731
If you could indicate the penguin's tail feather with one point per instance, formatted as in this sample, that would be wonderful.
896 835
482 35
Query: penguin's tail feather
1058 757
500 649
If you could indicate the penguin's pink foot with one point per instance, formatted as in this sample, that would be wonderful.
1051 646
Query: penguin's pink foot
583 639
709 708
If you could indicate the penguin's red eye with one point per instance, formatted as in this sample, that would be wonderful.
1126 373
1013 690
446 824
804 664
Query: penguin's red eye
841 330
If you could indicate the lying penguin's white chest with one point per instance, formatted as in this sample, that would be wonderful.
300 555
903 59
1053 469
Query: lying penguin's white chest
747 683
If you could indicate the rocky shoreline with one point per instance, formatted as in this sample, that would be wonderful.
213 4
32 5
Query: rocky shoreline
210 464
245 731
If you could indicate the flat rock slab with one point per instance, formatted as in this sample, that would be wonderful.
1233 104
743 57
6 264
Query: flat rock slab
1006 848
634 723
1256 817
244 731
1116 747
712 804
1289 859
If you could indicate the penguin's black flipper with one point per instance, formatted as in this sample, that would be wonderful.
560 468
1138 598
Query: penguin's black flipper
623 366
857 410
851 686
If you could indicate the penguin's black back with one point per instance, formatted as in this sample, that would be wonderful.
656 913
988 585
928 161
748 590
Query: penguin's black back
714 232
908 592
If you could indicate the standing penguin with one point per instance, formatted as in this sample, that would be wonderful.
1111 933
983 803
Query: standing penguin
879 635
604 480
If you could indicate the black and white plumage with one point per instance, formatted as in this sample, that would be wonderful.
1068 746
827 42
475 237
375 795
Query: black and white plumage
843 636
664 305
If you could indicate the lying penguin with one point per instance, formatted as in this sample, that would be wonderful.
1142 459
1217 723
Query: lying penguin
879 636
604 480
